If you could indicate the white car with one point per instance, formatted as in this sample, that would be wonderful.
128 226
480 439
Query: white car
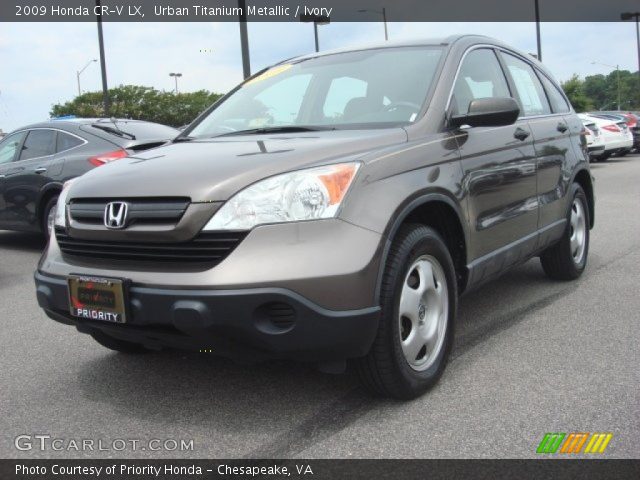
594 137
616 135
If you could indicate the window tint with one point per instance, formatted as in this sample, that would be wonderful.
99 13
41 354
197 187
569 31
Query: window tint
480 77
39 143
558 102
341 93
529 88
9 145
66 141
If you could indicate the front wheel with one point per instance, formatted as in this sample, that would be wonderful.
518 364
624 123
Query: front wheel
48 217
418 300
567 259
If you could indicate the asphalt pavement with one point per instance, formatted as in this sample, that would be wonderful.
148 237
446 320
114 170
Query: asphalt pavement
532 356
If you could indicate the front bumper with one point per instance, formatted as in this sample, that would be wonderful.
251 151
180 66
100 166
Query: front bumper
324 273
248 324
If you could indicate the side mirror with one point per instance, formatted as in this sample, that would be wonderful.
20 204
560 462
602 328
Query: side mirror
488 112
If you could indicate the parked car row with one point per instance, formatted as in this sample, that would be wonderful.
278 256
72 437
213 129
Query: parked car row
611 133
37 159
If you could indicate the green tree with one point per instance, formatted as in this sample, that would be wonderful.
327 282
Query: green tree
140 103
574 89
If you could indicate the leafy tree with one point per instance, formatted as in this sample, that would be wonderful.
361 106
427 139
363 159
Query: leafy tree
575 92
140 103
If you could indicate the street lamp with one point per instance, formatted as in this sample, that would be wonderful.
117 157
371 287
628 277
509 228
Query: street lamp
78 72
617 67
317 20
382 12
175 76
629 16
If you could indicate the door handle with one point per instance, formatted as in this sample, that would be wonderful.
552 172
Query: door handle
521 134
562 127
40 169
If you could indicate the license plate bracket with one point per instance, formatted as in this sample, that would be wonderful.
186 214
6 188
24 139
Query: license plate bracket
98 298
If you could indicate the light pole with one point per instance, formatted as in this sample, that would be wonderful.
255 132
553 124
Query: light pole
103 62
629 16
382 12
317 20
175 76
78 72
617 67
244 39
538 41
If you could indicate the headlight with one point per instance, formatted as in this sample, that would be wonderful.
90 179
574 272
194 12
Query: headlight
309 194
61 207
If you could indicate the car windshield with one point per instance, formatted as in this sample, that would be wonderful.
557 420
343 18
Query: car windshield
378 87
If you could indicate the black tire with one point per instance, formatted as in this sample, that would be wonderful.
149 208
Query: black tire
117 344
51 204
384 370
558 261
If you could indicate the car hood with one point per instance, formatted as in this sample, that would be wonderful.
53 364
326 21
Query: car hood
215 169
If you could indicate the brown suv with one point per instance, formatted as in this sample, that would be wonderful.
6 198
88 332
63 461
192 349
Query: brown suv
332 207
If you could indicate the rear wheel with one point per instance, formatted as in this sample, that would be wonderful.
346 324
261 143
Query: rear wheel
418 300
567 259
117 344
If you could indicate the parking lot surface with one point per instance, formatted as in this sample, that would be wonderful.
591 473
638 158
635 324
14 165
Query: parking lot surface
531 356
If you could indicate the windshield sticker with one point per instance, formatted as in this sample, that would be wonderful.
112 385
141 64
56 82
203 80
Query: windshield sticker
272 72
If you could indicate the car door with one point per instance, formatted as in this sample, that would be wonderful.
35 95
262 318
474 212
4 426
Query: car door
9 149
26 176
551 136
499 172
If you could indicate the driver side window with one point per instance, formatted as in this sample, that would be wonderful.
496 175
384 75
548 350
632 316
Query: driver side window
9 147
480 76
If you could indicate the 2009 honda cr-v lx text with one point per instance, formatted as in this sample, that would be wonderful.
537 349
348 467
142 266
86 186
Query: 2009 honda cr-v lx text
332 207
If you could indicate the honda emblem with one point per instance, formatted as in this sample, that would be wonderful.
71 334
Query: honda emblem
115 215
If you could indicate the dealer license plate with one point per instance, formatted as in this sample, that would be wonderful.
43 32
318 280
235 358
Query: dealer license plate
97 298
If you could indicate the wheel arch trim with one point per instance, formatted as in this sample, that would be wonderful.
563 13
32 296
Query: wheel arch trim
401 214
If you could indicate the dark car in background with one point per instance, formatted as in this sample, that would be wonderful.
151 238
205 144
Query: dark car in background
36 160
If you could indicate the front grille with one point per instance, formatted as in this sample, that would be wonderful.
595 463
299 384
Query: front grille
207 247
141 211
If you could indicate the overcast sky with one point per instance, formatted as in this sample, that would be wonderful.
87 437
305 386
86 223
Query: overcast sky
39 60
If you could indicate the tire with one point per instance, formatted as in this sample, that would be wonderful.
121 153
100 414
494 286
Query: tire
117 344
48 208
566 260
386 370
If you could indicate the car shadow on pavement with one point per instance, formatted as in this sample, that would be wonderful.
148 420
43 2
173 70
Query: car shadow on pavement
26 242
299 405
295 403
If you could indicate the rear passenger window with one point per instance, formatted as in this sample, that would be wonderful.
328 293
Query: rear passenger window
532 96
66 141
480 76
39 143
558 102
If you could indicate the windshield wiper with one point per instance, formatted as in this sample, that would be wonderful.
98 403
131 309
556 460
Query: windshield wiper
114 131
276 129
183 138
